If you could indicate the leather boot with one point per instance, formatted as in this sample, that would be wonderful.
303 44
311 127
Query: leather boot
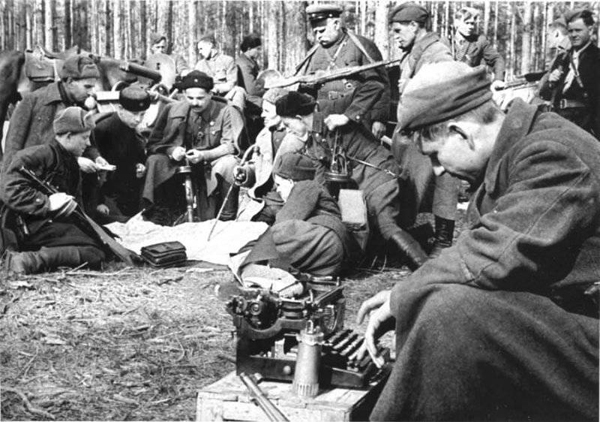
444 233
48 259
230 208
409 246
23 262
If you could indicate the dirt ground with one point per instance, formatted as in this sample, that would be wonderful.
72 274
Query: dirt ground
122 344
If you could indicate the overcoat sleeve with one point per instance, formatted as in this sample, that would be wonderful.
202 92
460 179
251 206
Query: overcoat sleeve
531 238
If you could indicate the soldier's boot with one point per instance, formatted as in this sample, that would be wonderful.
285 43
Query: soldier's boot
410 247
48 259
230 208
444 233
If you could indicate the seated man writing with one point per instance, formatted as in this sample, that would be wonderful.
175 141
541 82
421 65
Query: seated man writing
199 132
503 325
47 236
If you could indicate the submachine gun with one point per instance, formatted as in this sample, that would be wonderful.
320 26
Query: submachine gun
268 328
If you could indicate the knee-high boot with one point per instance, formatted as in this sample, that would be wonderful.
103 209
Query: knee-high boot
409 246
48 259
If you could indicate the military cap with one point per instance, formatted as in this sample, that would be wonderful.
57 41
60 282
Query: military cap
319 13
250 41
440 92
134 99
196 79
74 120
295 104
79 67
155 38
294 166
575 14
208 37
408 12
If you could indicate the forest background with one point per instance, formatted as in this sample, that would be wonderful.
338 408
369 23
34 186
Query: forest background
121 28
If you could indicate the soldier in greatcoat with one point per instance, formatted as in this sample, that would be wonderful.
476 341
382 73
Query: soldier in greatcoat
48 237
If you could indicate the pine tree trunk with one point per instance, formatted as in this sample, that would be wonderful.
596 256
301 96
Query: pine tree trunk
382 39
486 17
295 35
21 41
49 25
68 23
526 38
272 9
143 29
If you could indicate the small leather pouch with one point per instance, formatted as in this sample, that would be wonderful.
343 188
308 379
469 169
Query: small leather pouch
165 254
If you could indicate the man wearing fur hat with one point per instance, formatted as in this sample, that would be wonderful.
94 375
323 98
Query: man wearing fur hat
257 173
31 123
122 145
370 166
47 236
504 324
362 98
200 132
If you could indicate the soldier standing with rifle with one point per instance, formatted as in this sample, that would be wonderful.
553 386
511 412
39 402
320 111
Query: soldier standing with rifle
47 235
361 98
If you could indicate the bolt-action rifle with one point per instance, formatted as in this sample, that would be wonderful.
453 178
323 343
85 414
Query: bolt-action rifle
84 222
326 76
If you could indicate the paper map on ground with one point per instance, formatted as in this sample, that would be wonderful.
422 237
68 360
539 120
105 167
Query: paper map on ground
227 238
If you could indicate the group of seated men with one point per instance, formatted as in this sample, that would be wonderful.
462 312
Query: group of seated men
501 325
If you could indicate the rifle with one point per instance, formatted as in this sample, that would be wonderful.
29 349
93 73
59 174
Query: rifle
85 223
261 400
319 78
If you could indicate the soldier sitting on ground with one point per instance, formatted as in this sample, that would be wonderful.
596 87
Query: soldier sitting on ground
308 232
48 237
121 144
256 175
199 132
370 167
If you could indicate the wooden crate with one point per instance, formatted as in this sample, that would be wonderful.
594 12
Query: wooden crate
228 399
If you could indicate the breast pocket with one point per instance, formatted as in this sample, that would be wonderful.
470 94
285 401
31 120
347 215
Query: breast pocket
220 75
214 137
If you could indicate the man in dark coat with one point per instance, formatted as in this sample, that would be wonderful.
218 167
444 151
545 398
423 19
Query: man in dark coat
408 22
572 84
199 132
362 98
122 146
48 238
472 48
308 231
248 68
504 324
370 165
31 123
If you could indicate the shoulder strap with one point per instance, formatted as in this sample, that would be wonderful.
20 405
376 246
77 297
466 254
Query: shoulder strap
308 56
357 42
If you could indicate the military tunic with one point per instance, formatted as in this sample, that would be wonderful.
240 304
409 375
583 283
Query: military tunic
219 125
502 315
363 97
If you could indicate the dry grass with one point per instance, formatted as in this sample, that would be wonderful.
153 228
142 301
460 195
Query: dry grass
125 343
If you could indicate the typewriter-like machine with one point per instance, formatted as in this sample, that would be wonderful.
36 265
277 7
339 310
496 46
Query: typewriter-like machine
287 339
